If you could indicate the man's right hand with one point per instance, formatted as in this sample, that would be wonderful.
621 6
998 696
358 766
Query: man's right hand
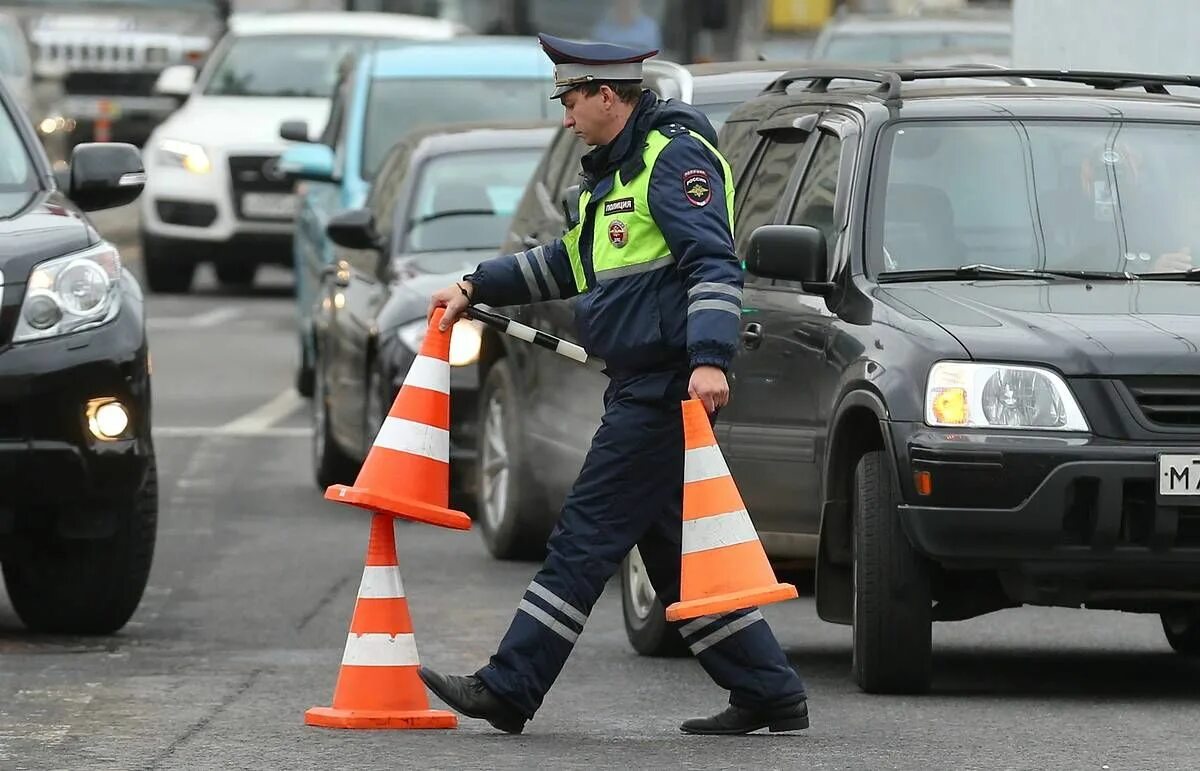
453 300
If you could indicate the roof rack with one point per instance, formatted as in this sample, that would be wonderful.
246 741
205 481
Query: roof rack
889 80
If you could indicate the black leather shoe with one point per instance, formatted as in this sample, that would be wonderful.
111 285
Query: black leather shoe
468 695
738 720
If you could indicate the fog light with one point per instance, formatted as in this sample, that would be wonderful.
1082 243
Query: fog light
107 418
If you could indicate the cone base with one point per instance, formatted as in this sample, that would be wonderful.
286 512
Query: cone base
404 508
328 717
724 603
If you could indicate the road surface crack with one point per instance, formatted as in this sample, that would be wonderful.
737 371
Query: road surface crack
204 722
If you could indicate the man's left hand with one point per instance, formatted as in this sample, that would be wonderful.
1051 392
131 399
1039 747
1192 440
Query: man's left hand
709 385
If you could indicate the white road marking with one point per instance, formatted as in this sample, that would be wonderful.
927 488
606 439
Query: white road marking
200 432
206 320
267 415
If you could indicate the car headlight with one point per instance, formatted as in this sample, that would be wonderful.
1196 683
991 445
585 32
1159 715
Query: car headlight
184 155
466 340
71 293
972 395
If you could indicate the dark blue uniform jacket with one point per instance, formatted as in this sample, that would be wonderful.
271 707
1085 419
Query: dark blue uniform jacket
682 316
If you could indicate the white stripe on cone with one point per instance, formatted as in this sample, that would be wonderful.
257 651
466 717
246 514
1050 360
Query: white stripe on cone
429 373
713 532
704 463
380 650
414 438
381 583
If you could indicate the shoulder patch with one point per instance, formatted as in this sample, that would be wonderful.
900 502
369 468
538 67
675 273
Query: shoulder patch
696 187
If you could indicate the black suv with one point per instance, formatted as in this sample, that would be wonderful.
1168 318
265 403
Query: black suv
970 375
78 487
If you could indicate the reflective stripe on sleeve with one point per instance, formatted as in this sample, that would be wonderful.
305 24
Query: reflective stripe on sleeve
729 306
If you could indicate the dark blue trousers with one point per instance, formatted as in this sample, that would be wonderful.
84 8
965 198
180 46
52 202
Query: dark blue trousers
629 493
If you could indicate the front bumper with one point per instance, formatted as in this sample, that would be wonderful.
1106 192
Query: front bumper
51 466
205 209
1068 504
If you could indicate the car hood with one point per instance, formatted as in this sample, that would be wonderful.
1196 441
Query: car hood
1080 328
242 122
38 227
422 275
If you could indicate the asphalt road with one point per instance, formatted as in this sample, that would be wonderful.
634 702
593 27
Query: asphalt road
255 577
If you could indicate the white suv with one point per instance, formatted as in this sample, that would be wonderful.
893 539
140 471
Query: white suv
214 192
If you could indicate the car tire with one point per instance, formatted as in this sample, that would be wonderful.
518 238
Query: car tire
512 517
892 599
87 586
167 271
645 619
1182 629
236 275
331 464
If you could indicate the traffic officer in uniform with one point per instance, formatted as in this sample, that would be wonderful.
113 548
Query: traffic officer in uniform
658 297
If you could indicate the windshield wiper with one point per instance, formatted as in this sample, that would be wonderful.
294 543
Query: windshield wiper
452 213
1191 274
976 270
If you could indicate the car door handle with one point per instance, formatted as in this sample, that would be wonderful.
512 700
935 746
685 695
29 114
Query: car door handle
752 335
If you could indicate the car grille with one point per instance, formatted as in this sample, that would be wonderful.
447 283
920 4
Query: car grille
124 52
1172 401
256 174
89 83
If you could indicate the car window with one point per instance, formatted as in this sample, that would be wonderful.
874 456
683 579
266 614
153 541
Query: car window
397 106
1058 195
281 66
17 174
386 192
815 202
764 187
568 164
466 200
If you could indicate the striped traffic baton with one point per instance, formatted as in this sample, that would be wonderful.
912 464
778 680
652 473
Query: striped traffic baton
521 331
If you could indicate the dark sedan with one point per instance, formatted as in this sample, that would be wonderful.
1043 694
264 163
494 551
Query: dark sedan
442 202
78 489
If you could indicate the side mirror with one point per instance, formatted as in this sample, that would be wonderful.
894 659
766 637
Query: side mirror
104 175
790 253
354 229
309 161
294 131
176 80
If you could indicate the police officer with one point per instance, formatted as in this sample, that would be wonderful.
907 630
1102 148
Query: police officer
658 297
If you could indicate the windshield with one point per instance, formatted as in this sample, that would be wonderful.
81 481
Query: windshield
282 65
1048 195
398 106
896 47
466 200
17 175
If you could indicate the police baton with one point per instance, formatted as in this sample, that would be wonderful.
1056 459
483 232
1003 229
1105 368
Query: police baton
520 331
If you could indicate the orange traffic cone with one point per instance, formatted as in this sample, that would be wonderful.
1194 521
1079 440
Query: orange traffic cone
723 567
378 686
407 472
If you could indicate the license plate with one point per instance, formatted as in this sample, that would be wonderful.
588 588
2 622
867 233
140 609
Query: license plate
276 206
1179 478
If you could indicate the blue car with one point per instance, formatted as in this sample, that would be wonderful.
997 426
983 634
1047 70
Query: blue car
386 94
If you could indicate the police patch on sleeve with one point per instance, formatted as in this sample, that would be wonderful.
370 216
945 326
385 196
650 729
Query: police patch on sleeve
696 187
